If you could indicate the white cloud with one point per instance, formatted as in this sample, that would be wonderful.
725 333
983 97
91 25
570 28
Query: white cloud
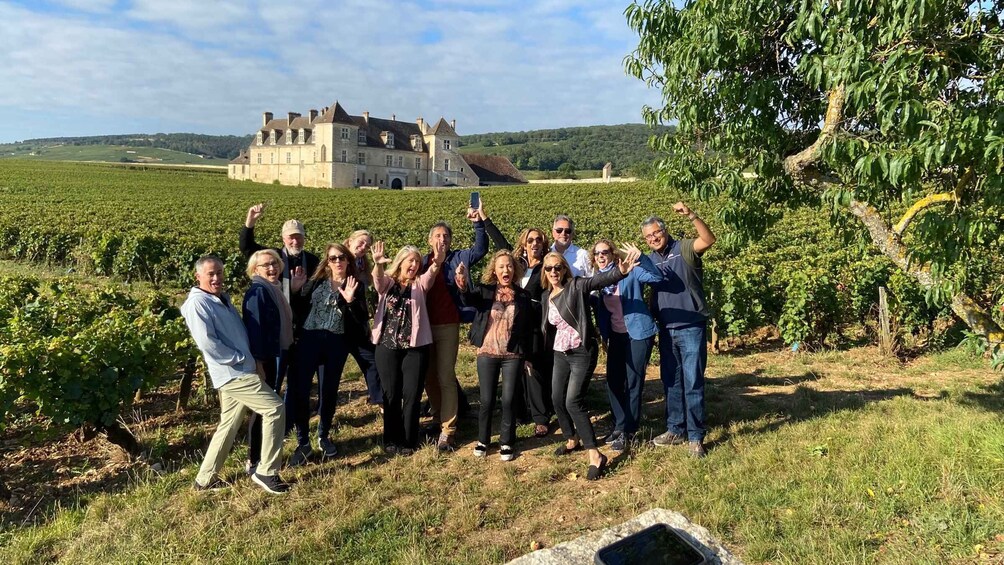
213 67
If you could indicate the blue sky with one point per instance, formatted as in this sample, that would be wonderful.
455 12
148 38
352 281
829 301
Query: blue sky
92 67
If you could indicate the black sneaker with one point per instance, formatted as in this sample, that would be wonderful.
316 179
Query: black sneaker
620 443
669 438
328 449
301 455
273 484
215 484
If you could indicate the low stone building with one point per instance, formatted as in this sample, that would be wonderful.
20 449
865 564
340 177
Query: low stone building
330 148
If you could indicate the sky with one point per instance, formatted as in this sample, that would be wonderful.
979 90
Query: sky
96 67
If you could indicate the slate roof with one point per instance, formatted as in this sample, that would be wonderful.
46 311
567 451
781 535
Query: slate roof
402 132
442 128
494 168
242 159
335 115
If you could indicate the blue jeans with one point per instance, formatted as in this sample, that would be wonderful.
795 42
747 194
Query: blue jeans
626 362
683 357
569 384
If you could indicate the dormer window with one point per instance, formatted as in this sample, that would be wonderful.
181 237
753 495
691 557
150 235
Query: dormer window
388 139
271 137
289 136
416 142
260 136
362 137
303 136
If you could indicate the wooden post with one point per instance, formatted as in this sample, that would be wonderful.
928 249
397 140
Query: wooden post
885 332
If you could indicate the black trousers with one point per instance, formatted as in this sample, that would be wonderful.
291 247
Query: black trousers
569 383
537 387
275 370
489 369
402 375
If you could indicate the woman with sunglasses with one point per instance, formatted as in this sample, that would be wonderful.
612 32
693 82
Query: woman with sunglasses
529 252
337 306
268 320
628 330
360 347
402 334
568 319
501 331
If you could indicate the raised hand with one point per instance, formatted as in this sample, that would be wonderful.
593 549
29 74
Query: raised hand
631 256
254 213
681 209
297 279
348 290
472 214
481 209
439 252
378 254
460 276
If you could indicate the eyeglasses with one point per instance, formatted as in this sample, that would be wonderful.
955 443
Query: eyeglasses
336 258
557 268
535 240
563 230
655 234
269 264
599 252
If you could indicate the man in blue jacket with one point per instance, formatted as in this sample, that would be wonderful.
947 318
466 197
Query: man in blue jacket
219 333
682 314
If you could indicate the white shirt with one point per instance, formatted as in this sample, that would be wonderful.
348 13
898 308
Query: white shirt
578 260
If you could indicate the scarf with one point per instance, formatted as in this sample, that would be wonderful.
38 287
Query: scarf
609 290
285 313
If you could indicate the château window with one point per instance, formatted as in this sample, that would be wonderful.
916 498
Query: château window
287 157
271 137
260 136
390 139
324 153
418 162
259 158
446 164
446 144
361 158
345 156
303 136
345 133
289 136
362 137
389 160
400 161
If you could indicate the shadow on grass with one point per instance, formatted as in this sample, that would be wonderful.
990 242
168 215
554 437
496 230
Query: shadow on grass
989 397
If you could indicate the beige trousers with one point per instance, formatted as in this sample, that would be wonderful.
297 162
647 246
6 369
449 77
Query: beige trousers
441 380
236 398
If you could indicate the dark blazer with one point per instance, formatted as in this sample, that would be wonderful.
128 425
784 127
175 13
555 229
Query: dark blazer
355 313
573 305
481 297
533 287
262 322
307 260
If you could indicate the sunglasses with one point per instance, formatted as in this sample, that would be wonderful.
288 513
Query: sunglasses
557 268
599 252
336 258
563 230
535 240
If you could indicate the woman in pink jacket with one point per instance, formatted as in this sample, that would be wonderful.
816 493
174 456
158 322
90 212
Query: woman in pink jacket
402 334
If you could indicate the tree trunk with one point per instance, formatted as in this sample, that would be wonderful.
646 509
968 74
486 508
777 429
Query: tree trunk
890 245
122 437
186 385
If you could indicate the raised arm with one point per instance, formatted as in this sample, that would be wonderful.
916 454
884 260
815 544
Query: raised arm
427 279
498 240
705 237
381 282
246 239
646 271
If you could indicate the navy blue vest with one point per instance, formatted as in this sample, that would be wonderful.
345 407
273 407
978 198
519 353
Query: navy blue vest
678 300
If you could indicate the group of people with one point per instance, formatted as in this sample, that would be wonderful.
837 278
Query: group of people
531 317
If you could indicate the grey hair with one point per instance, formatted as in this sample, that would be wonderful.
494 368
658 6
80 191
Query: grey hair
207 259
653 220
437 225
560 217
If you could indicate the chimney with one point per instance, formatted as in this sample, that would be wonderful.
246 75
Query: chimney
393 117
421 125
453 124
366 117
290 116
266 118
313 114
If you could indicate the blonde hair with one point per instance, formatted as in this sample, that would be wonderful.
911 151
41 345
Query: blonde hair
520 251
395 266
323 270
566 271
253 260
366 258
489 277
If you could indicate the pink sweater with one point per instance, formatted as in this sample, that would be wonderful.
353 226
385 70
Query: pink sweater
421 330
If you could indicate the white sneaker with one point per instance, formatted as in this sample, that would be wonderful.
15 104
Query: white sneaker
480 450
506 453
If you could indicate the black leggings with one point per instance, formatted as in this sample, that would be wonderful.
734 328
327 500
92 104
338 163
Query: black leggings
570 381
402 374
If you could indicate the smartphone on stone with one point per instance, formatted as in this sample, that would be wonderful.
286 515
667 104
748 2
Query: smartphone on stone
475 200
658 544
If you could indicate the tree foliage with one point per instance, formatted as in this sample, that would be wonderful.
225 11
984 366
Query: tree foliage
891 110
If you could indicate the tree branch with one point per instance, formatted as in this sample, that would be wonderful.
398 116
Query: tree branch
918 207
795 165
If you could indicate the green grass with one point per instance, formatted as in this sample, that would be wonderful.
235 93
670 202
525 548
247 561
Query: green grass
835 457
109 154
